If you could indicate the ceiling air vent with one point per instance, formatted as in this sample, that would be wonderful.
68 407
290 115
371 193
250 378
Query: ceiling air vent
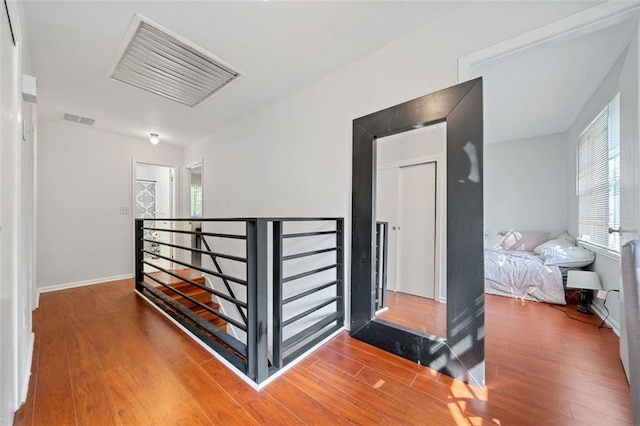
78 119
164 64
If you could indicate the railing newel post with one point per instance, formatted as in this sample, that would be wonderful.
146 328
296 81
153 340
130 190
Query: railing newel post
138 244
257 349
340 256
277 293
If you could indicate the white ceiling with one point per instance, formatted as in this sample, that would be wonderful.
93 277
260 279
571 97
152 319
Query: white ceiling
541 90
279 47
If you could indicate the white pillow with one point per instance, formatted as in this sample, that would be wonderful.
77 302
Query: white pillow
523 241
562 253
566 236
493 240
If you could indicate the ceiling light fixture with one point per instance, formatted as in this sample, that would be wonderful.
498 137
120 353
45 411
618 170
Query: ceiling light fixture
154 138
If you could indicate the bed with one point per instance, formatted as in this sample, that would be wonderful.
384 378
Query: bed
523 275
529 265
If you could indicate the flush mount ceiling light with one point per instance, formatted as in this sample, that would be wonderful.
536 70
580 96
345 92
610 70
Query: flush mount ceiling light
154 138
160 62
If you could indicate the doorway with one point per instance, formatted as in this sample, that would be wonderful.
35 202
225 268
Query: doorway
194 173
154 200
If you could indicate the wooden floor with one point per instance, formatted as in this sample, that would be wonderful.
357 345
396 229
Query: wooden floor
104 357
417 313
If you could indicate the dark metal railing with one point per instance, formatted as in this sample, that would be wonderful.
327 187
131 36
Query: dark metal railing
306 297
382 238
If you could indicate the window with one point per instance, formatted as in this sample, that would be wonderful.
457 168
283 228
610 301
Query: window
599 179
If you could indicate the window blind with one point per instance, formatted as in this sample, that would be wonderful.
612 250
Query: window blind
599 179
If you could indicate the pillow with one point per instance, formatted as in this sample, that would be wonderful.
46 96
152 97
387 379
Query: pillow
523 241
565 236
552 246
560 252
493 240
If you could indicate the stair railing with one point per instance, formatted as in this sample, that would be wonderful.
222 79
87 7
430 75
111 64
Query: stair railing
306 296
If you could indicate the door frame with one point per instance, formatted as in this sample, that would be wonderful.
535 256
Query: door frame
583 23
175 188
440 273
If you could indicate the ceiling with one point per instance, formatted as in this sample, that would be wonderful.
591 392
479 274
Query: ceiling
278 47
541 90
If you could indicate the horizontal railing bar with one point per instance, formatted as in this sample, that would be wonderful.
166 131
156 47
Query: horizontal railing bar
202 305
309 253
308 292
197 268
245 219
230 299
225 256
306 274
308 234
310 311
208 234
235 344
212 219
320 337
309 331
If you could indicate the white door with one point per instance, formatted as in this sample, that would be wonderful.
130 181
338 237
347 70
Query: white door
629 178
387 211
417 230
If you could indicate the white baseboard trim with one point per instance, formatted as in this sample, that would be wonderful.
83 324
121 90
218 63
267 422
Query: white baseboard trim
610 321
232 367
26 375
58 287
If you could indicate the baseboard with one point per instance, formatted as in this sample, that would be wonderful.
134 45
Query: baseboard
58 287
610 321
26 375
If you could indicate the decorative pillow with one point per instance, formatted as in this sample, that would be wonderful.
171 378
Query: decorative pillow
560 252
523 241
493 240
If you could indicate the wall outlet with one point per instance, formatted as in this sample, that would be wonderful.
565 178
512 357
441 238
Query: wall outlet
124 210
601 294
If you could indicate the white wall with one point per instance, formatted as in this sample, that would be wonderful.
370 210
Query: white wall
84 177
293 158
525 184
607 267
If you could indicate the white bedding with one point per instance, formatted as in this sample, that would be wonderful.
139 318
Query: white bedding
522 275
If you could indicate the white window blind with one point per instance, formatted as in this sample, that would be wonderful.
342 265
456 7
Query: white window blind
599 179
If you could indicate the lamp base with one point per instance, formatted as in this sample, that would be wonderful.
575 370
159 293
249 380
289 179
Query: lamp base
584 310
584 302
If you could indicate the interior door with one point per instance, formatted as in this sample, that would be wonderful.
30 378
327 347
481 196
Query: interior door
629 177
417 230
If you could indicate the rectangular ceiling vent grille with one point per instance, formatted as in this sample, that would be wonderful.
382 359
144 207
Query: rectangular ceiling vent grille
164 64
78 119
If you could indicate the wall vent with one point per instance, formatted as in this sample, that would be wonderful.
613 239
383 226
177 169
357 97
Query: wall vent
78 119
162 63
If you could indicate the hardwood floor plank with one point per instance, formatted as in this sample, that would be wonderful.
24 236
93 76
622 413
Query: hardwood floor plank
150 394
214 400
260 405
92 398
54 396
397 411
436 409
308 409
349 407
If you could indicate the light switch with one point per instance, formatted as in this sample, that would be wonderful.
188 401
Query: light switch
124 210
